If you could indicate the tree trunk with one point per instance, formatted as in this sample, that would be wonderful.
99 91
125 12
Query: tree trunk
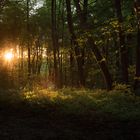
90 41
84 26
82 15
54 41
71 66
102 63
137 75
122 45
79 56
28 44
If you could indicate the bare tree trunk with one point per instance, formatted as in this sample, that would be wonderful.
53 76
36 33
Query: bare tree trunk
82 15
137 75
71 65
28 44
54 42
122 46
79 55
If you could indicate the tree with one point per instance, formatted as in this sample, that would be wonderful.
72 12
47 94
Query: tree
137 75
79 56
122 46
28 43
54 41
82 15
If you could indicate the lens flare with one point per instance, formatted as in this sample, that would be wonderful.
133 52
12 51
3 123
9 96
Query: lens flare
8 56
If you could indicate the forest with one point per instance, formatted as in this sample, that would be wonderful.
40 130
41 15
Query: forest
70 69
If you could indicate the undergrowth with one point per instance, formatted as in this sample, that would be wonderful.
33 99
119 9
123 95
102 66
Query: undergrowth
119 103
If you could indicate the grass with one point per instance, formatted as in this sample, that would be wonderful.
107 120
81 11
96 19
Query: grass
120 104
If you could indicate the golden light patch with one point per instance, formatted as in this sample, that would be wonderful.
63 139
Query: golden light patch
8 56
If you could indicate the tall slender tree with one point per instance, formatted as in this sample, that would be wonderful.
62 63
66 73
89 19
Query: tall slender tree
137 75
28 42
54 41
77 49
122 45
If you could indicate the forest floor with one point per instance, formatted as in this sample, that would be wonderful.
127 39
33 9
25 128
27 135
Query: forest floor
16 125
22 121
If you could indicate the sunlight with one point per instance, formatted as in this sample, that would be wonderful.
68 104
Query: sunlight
8 56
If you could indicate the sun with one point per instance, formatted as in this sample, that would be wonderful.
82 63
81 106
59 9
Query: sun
8 56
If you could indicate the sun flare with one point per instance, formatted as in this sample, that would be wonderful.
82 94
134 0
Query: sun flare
8 56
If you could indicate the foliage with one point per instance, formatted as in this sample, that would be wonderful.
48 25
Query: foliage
31 36
118 104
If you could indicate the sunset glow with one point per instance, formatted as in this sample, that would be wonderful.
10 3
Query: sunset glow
8 56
